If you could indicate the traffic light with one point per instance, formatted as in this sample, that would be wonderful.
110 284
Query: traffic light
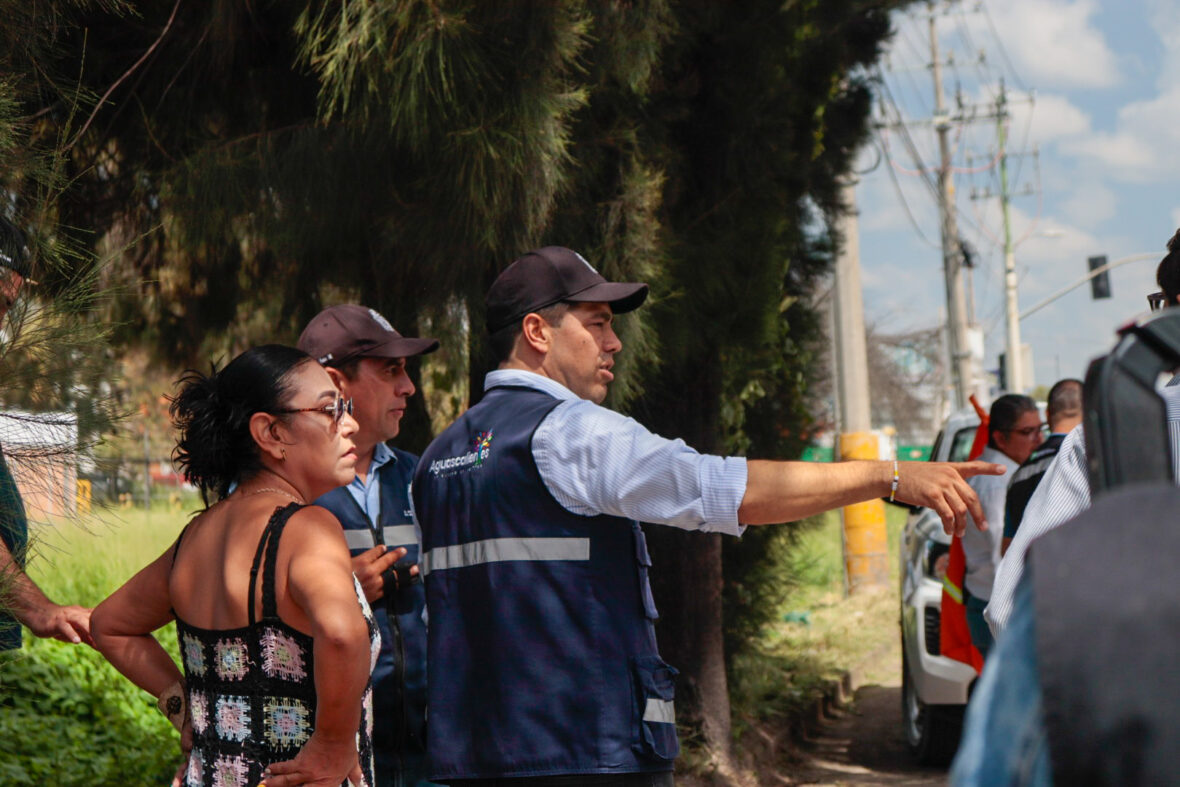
1100 284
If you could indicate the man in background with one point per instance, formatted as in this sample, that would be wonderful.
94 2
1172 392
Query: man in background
366 358
1064 412
1014 431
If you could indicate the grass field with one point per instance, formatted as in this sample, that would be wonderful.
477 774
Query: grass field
66 716
82 562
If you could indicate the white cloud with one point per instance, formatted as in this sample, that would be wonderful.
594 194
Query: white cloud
1143 147
1142 142
1052 43
1053 117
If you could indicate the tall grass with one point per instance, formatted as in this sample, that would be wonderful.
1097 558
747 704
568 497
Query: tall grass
83 561
66 716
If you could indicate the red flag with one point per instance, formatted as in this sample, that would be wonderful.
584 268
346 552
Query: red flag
954 636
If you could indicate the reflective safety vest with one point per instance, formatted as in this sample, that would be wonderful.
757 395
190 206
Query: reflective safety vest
953 634
399 679
542 653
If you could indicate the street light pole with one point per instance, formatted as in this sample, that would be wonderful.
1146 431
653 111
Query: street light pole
1149 255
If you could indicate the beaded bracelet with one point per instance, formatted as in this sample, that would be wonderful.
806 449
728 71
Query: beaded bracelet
896 479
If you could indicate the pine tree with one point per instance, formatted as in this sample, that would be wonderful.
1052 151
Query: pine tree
258 161
55 391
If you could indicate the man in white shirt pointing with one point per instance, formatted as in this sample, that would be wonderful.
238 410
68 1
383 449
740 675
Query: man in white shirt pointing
542 657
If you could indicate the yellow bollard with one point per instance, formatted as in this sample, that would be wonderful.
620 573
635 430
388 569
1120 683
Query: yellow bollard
866 548
82 496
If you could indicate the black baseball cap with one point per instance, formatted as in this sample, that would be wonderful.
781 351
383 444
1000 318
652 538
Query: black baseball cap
341 333
552 275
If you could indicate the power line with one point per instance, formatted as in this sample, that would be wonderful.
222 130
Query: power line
906 205
1000 45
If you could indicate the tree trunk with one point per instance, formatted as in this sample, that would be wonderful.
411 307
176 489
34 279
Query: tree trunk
686 571
687 585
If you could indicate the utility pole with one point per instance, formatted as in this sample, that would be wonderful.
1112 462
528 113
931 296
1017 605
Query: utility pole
866 551
962 367
1013 356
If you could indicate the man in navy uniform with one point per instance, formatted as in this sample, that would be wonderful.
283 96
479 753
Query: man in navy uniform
543 667
366 358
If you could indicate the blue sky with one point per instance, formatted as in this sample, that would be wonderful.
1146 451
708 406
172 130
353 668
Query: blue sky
1105 116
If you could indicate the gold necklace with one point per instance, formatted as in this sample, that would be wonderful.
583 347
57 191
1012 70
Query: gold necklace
298 500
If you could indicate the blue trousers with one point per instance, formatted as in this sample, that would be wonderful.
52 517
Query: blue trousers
981 635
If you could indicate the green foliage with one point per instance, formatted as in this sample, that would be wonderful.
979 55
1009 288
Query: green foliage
68 718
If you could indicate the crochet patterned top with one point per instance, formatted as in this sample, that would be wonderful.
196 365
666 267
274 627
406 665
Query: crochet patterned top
251 690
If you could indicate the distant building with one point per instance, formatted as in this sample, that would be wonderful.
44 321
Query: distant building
42 452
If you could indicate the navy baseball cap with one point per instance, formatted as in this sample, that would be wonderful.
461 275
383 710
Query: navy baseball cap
554 274
346 331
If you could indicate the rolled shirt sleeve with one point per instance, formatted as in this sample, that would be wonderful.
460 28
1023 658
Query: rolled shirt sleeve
596 461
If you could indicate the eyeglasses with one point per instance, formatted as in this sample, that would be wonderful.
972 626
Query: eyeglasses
336 409
1027 431
1156 300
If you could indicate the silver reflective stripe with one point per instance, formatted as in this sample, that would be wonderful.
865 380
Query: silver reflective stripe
396 536
400 536
662 711
497 550
359 539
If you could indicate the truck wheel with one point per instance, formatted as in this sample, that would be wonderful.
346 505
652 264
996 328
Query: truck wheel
932 731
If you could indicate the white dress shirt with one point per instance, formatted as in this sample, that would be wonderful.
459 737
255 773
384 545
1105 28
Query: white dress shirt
596 461
982 548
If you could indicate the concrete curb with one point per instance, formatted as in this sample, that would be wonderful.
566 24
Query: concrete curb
833 698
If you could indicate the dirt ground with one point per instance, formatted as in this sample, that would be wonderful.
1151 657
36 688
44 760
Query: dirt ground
858 742
862 741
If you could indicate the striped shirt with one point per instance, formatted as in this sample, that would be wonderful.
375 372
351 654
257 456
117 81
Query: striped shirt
596 461
1025 481
1062 494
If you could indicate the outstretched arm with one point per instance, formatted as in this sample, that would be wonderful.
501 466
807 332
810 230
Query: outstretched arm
787 491
33 608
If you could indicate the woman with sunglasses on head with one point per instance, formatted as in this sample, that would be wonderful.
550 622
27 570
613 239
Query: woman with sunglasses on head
276 638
